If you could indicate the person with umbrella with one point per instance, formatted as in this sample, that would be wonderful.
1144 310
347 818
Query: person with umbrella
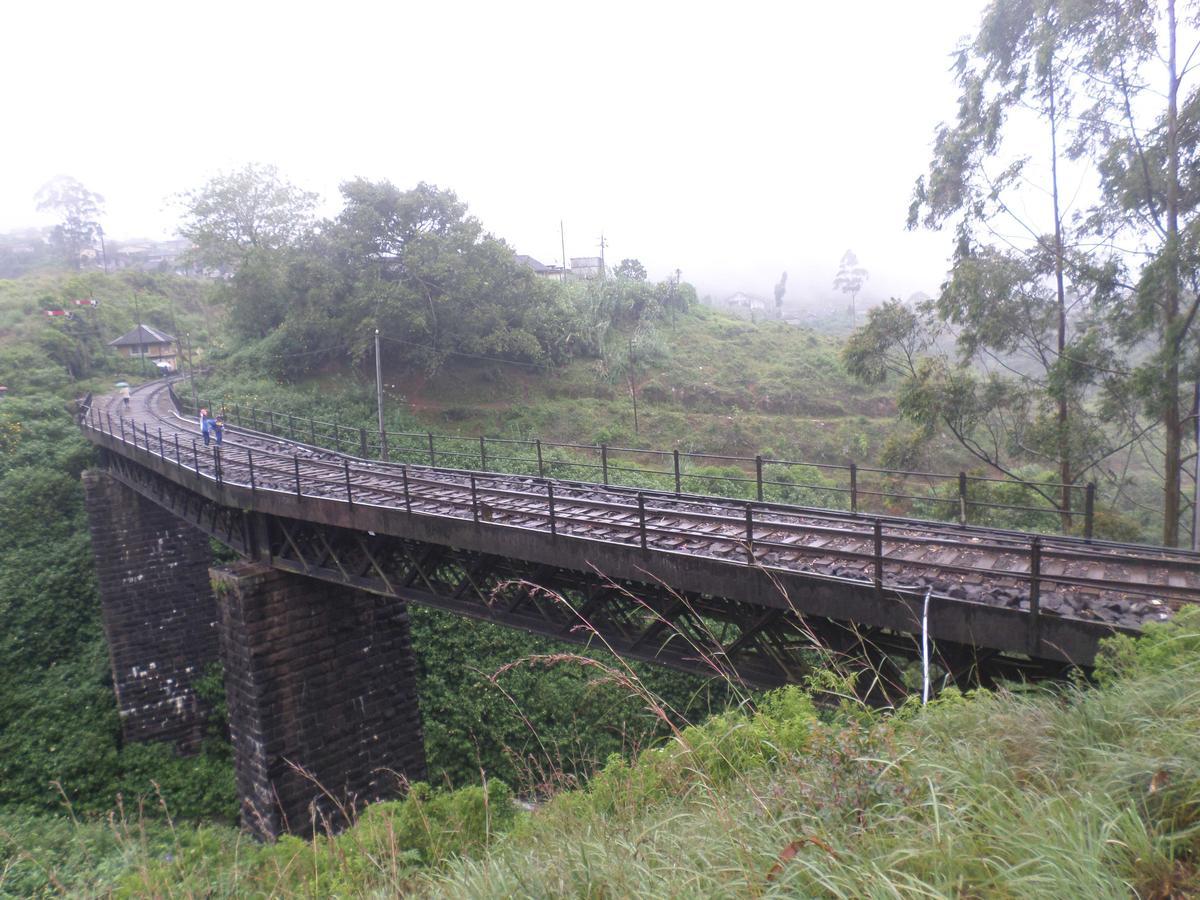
124 386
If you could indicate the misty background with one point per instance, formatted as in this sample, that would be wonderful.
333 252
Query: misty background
730 145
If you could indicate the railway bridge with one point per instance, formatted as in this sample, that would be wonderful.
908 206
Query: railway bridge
312 628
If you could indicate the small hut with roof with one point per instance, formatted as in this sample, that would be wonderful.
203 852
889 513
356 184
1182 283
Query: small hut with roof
145 342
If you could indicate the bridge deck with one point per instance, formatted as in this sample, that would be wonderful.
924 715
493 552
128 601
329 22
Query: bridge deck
1086 581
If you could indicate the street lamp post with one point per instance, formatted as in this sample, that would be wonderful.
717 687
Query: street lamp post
383 450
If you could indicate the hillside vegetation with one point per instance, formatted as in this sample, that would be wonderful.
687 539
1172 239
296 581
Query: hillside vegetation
1071 791
59 731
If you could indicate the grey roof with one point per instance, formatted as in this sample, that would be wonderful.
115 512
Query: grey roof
141 335
534 264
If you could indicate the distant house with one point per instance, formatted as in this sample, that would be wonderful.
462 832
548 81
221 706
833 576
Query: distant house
587 266
149 343
741 302
558 273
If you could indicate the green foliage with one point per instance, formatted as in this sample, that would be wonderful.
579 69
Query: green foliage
1075 792
386 845
58 720
538 727
237 214
1162 647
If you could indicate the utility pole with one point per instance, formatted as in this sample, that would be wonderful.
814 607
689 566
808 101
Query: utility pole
103 248
192 374
563 237
383 451
603 268
137 309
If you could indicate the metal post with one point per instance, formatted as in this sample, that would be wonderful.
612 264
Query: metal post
250 464
178 461
296 463
254 418
237 415
432 458
196 457
110 428
1196 488
474 500
161 447
758 477
675 454
541 468
383 451
407 496
878 558
346 469
1035 593
750 531
362 442
854 488
550 503
122 420
1089 510
217 463
482 454
312 431
604 462
271 421
291 426
146 437
962 498
642 517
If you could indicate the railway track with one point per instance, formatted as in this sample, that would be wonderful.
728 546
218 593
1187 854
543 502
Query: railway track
1121 584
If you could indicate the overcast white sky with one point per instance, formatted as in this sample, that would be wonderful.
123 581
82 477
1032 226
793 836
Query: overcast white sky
732 141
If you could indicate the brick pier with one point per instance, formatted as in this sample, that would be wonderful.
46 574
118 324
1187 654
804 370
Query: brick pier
322 694
157 608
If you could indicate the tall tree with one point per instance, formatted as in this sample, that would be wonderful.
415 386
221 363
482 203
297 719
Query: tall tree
849 280
80 210
780 290
630 268
1143 128
237 214
1020 302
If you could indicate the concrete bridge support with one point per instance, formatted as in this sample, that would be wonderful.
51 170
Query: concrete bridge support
157 608
322 695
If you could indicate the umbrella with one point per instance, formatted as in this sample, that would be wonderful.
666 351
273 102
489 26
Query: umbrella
122 384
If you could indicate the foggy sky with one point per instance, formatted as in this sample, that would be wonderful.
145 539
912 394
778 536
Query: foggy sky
730 141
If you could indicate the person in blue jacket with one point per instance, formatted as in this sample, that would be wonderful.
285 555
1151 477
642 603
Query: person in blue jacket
206 425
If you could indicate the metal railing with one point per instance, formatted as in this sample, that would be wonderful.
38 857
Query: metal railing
936 496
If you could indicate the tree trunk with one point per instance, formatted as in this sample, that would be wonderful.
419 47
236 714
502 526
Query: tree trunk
1064 442
1173 427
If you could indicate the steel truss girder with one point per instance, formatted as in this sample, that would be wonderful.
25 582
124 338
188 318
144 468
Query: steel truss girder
701 634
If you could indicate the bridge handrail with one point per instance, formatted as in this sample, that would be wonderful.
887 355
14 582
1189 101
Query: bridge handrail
856 491
758 534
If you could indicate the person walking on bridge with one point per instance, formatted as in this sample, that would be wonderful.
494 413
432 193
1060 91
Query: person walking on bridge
125 395
205 425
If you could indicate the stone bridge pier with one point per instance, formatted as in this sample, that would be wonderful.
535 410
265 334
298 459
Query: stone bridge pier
320 679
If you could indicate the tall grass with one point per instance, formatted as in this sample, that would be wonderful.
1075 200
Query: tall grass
1062 791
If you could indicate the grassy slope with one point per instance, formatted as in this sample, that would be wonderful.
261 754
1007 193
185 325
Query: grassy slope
1082 792
725 386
